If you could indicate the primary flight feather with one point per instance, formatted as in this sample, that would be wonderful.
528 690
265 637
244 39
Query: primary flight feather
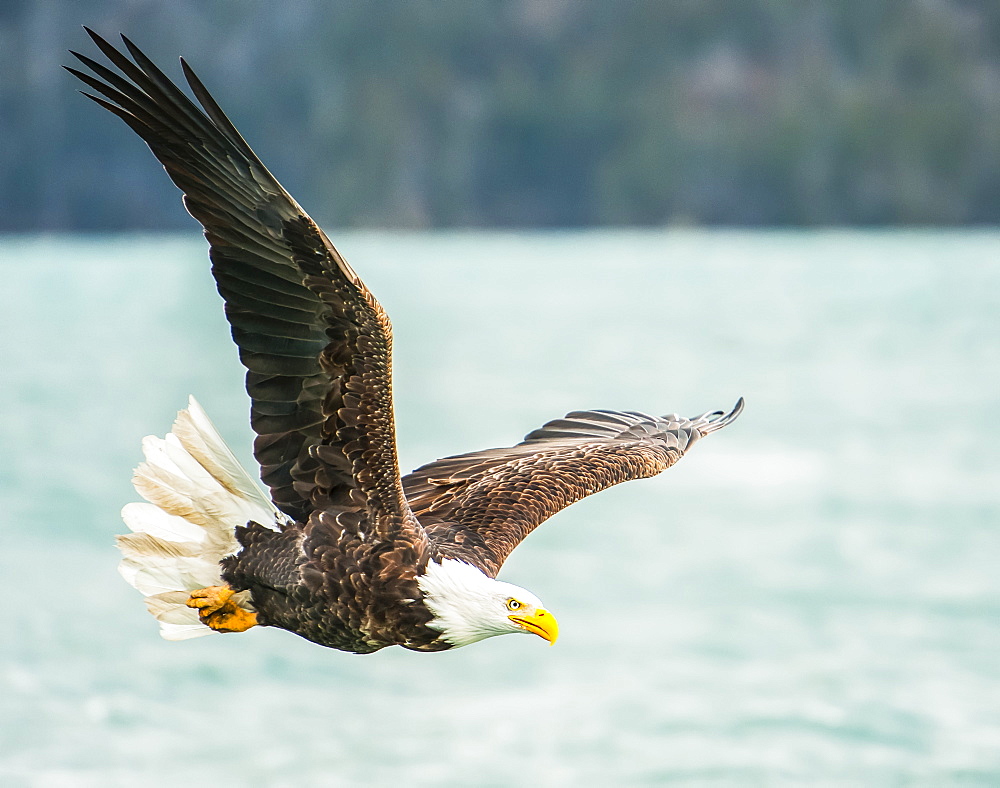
344 552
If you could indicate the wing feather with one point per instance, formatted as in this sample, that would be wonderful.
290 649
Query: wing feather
315 342
478 507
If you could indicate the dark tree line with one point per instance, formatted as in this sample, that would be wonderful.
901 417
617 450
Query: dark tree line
531 112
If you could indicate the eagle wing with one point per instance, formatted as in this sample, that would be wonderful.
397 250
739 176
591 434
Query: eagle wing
478 507
315 342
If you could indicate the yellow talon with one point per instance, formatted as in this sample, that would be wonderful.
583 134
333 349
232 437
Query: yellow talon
217 610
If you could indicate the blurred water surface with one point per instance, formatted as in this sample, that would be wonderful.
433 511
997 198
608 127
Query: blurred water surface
812 595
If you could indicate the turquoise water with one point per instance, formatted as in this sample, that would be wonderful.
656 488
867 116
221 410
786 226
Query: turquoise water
812 596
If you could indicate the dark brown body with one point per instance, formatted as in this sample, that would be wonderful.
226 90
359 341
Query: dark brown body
337 592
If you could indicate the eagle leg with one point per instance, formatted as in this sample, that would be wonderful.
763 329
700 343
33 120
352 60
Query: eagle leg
217 610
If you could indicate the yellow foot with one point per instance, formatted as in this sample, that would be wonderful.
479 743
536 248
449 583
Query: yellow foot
217 610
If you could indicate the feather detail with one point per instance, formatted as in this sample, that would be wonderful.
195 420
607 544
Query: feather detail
198 494
150 519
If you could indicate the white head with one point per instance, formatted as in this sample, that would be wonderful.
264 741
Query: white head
469 606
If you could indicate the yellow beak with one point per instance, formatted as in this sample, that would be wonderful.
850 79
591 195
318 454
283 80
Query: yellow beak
541 623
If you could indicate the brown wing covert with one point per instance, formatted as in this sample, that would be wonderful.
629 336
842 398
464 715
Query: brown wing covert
479 506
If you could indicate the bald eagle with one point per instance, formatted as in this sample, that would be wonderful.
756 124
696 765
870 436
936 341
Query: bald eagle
344 551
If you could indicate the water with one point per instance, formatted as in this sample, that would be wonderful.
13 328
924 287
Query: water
811 596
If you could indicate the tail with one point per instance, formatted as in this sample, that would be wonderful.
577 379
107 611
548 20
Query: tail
198 494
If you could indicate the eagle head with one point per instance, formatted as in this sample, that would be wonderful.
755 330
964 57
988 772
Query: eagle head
468 605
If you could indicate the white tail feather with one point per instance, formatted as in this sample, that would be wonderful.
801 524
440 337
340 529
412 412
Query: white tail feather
198 494
149 519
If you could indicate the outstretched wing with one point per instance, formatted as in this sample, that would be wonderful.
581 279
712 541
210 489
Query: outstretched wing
315 342
478 507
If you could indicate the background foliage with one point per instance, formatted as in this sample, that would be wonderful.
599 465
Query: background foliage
416 113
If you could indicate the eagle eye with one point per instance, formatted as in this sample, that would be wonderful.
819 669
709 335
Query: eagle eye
513 604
